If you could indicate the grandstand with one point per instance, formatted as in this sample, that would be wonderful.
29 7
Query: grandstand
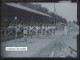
24 16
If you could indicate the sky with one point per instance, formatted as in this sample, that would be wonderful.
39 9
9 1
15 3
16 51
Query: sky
66 9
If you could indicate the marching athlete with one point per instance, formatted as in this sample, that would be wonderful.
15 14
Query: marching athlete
43 30
31 31
53 30
65 30
37 31
25 33
47 31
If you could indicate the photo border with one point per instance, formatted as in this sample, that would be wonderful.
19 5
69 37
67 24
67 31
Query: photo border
78 22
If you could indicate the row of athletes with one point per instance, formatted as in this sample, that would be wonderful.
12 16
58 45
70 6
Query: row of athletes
33 30
37 30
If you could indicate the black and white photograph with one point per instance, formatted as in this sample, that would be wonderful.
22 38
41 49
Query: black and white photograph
37 29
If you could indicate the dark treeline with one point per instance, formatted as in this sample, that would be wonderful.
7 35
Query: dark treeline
45 10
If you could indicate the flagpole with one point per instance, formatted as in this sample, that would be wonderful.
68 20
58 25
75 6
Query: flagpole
15 27
5 33
54 17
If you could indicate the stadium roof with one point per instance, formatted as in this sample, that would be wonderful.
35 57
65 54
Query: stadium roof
27 9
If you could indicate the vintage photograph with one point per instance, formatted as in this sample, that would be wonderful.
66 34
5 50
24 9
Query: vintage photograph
36 29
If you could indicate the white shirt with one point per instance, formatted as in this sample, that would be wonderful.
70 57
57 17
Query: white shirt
25 27
25 30
65 30
43 27
37 27
53 27
10 26
47 28
31 28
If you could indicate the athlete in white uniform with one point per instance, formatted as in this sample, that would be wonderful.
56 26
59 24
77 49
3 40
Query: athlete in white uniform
65 30
50 30
31 31
18 28
47 31
43 30
34 30
53 30
37 31
25 33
